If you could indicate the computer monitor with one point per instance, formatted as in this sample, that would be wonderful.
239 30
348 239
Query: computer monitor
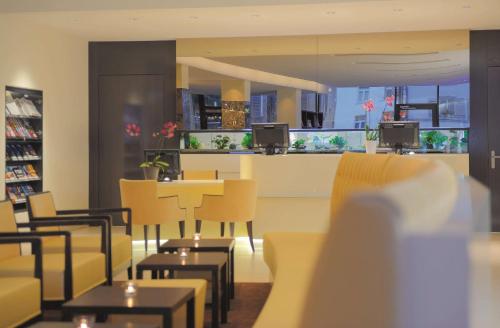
399 135
171 156
273 137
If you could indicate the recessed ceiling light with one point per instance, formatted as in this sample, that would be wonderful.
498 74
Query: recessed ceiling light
194 17
255 15
134 19
466 7
398 10
331 12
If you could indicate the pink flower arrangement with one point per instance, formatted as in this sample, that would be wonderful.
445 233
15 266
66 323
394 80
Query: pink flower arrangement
369 105
133 130
389 101
167 132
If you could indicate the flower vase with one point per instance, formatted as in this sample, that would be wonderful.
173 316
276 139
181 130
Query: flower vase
371 146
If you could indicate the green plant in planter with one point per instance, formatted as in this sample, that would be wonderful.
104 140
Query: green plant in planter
370 135
156 162
299 144
338 141
221 142
433 139
247 141
194 143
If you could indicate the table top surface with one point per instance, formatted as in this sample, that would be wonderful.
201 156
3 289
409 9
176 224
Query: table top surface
151 298
222 243
193 260
191 182
50 324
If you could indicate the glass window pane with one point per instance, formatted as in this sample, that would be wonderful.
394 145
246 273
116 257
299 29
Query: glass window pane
454 105
422 94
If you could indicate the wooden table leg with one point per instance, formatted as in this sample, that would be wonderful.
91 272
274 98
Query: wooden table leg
215 298
139 273
167 320
191 314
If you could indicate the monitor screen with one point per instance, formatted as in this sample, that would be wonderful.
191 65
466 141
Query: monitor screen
402 134
270 134
171 156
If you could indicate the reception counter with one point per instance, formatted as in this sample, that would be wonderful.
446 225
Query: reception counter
294 189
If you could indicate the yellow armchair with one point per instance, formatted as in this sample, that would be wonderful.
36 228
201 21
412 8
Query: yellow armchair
85 239
238 204
141 196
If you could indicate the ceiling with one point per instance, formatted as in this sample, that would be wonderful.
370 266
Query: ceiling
169 19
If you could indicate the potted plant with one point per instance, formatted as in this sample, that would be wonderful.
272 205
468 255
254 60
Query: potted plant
433 139
247 141
221 142
371 142
299 144
194 143
152 168
338 141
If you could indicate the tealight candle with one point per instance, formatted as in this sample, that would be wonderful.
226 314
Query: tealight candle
197 236
196 245
84 321
183 252
130 289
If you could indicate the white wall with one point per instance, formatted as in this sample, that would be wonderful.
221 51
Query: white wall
41 58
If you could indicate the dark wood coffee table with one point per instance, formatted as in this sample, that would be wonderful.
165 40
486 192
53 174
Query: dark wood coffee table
216 263
104 300
225 245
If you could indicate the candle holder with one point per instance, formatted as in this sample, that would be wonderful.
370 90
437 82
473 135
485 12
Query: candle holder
130 289
196 244
183 252
84 321
197 236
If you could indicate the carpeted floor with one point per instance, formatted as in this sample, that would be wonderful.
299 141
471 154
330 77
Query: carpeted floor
245 307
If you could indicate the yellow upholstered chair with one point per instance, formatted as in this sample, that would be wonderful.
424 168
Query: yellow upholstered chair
20 297
200 175
85 239
65 275
238 204
141 196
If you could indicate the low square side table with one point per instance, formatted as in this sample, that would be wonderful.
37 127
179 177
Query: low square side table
104 300
216 263
225 245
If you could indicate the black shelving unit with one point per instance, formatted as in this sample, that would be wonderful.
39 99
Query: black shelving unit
24 144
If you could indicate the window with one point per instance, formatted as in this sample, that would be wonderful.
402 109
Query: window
363 95
454 105
359 121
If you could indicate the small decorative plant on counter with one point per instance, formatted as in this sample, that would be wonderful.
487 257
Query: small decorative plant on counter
194 143
433 139
338 141
221 142
299 144
371 136
152 168
247 141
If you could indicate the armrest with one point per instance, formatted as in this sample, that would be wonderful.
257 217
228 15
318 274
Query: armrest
103 221
68 266
102 211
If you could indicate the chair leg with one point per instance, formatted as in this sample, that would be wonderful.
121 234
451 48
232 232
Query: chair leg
198 226
129 273
231 229
157 237
222 226
146 237
182 228
250 234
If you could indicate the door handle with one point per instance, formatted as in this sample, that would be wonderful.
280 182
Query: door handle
493 158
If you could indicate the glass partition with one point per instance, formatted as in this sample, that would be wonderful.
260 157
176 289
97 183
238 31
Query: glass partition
312 140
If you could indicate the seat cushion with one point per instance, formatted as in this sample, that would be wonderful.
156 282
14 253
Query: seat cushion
121 247
200 288
291 257
19 300
88 272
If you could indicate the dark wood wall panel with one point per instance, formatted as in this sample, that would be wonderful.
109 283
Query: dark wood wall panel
485 113
130 82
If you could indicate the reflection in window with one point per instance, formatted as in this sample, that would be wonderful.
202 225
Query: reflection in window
454 105
363 95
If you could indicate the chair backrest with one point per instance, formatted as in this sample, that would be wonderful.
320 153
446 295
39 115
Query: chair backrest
141 196
200 174
358 172
394 257
42 205
8 224
238 203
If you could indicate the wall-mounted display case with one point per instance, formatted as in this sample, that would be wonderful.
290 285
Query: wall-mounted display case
312 140
23 149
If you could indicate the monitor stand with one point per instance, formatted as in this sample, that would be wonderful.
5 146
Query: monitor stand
270 150
398 149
